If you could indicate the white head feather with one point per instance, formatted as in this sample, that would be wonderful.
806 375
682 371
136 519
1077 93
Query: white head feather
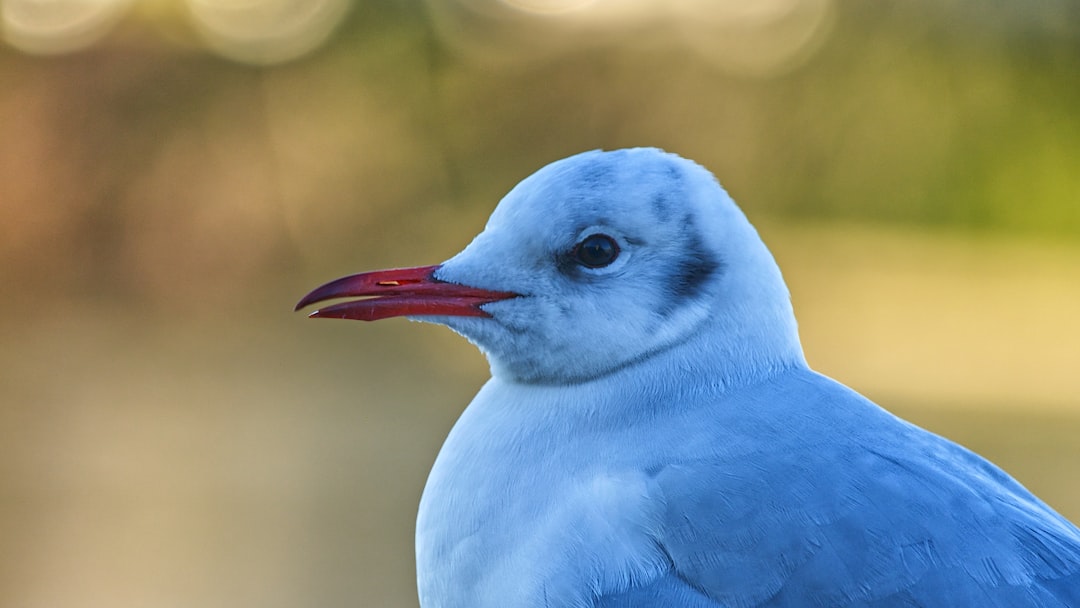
690 270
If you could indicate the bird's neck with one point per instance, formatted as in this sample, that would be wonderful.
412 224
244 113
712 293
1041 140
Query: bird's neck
717 359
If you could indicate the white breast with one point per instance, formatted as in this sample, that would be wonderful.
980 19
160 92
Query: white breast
521 509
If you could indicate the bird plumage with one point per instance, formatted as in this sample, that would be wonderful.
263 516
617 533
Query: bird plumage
653 437
794 491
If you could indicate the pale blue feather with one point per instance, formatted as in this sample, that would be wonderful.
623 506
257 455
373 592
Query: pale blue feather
653 437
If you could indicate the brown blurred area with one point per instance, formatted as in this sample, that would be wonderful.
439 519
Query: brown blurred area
175 175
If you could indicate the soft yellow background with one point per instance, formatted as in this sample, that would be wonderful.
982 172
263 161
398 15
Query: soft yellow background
175 175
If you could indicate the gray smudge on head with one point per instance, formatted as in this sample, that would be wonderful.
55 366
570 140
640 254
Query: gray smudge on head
662 201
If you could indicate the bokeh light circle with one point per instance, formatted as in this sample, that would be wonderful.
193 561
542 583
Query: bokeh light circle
759 39
265 32
547 7
51 27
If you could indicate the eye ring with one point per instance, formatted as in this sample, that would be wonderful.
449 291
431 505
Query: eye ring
596 251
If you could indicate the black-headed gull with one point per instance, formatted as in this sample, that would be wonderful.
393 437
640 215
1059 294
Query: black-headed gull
652 435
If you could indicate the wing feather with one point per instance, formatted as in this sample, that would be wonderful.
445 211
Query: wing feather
844 504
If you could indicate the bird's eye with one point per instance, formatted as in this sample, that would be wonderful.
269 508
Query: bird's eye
596 251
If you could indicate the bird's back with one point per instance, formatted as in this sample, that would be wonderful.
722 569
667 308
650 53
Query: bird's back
831 501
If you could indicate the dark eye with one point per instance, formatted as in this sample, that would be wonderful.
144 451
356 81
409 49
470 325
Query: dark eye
596 251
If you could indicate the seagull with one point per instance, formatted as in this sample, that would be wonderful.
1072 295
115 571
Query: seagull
652 436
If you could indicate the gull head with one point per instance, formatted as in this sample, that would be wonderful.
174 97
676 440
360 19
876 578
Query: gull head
596 263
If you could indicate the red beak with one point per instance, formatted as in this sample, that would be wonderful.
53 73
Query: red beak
400 292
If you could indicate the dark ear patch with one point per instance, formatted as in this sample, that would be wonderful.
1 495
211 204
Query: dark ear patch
695 267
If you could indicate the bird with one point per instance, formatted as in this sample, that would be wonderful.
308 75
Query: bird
652 436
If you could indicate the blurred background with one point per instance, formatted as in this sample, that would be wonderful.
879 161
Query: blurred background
175 174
